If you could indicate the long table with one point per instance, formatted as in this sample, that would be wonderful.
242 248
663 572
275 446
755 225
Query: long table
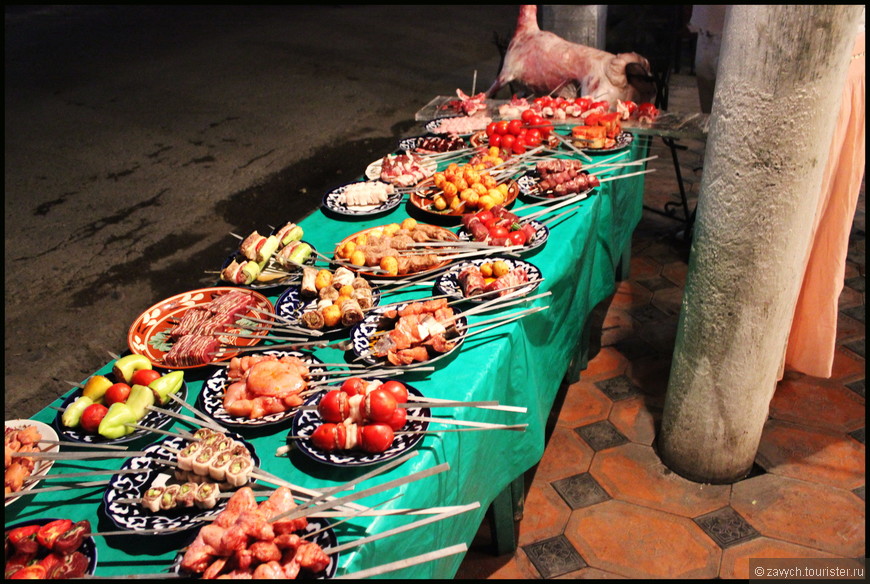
521 364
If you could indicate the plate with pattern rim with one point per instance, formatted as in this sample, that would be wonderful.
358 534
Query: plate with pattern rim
306 421
40 467
623 141
420 198
88 547
290 278
528 185
373 170
149 333
362 338
542 234
332 202
435 126
411 143
210 399
133 516
291 305
448 282
152 419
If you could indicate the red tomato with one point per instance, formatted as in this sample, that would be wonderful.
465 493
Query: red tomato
537 121
533 138
34 572
517 238
519 147
502 127
398 389
546 128
354 385
144 377
545 101
528 115
498 231
487 218
491 128
515 126
495 140
92 416
507 141
583 102
119 392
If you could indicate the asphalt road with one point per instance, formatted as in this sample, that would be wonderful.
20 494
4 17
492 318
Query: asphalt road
138 138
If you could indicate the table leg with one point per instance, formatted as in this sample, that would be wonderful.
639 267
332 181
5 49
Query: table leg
505 511
624 265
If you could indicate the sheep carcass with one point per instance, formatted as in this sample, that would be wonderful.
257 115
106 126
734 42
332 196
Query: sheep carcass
544 63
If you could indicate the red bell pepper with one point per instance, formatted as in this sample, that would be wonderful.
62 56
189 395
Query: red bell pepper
74 565
34 572
23 539
49 532
17 561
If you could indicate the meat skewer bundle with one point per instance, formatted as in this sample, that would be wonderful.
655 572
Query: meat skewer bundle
416 332
256 251
365 194
473 279
342 297
564 177
438 144
405 170
19 468
242 542
496 227
195 342
260 385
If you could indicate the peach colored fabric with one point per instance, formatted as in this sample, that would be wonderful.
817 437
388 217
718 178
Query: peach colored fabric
813 335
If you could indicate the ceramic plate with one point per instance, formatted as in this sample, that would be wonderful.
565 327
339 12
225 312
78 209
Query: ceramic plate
542 234
472 124
41 467
332 201
291 305
211 399
445 234
421 198
88 547
323 535
623 141
528 185
412 143
448 282
134 516
152 419
307 421
364 335
285 280
373 170
149 333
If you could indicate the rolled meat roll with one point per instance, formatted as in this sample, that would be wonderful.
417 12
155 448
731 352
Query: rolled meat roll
202 461
167 499
342 277
218 467
206 496
187 454
239 471
313 319
365 297
251 244
360 282
309 276
151 499
472 281
329 293
186 495
351 312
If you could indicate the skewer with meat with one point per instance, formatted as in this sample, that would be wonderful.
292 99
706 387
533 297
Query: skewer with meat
416 333
19 468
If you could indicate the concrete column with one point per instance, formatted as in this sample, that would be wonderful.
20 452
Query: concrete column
780 73
579 23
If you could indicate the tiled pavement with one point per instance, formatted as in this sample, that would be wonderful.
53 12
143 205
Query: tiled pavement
600 504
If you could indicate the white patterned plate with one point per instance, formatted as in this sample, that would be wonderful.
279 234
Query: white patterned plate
623 141
41 467
448 282
332 201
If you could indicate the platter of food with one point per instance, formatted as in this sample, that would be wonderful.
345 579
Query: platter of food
74 422
482 278
50 549
361 198
181 481
360 423
598 142
244 394
24 436
327 301
267 261
388 249
501 228
556 178
410 334
282 549
459 125
195 328
432 144
405 169
447 200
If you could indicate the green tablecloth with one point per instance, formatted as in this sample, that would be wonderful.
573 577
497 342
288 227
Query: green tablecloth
520 364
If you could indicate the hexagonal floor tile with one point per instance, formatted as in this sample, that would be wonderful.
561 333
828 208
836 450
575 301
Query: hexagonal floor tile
629 294
823 405
608 362
808 514
634 473
584 403
635 419
811 454
735 560
638 542
566 454
545 514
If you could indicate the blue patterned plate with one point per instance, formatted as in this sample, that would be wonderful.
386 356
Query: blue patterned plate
88 547
542 234
333 201
306 421
448 282
291 305
211 400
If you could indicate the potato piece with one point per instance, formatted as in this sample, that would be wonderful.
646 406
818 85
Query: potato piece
332 315
358 258
500 268
390 264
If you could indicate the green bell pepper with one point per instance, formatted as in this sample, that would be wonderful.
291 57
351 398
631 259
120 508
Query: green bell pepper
140 399
114 424
164 386
72 415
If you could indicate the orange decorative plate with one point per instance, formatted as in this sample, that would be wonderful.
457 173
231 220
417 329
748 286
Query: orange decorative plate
422 199
149 334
